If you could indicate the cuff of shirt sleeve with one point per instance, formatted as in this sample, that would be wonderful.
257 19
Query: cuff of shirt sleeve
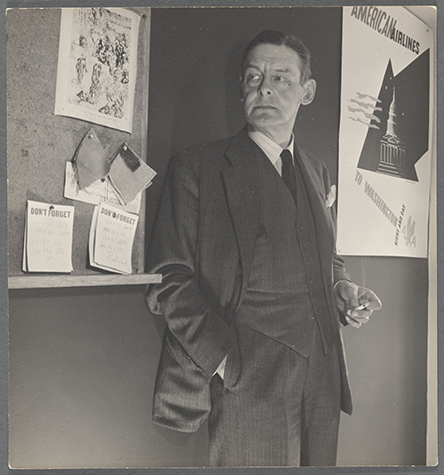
342 318
338 282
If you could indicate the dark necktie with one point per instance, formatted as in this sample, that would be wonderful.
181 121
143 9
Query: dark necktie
288 172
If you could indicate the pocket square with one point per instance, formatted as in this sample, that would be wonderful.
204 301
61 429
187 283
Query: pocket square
331 197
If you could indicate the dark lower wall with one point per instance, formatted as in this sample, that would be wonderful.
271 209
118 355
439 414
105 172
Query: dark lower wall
83 361
83 364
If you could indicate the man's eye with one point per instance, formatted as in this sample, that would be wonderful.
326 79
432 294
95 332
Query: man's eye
281 79
253 78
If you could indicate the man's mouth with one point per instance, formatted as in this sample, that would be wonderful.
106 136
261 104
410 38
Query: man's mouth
265 107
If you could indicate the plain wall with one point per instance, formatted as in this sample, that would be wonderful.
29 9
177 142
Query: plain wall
83 361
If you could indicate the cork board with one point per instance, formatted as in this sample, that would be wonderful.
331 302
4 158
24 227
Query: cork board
40 142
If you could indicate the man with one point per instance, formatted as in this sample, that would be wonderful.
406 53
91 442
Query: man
252 288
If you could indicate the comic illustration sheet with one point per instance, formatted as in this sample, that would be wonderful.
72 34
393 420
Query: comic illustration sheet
97 65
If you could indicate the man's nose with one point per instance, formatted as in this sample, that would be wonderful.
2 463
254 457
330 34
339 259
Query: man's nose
265 88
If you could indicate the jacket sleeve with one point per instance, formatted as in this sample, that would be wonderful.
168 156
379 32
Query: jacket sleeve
339 270
203 334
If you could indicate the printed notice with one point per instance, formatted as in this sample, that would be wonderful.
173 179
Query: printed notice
111 239
48 238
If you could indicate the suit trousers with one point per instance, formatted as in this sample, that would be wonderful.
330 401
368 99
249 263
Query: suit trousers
283 410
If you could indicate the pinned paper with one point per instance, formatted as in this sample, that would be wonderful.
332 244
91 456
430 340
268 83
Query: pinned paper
97 65
90 160
111 239
48 237
129 174
97 192
93 178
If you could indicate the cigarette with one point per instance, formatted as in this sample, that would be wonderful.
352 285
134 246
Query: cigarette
362 307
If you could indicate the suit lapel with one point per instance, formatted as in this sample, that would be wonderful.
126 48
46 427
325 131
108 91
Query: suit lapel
243 200
315 187
242 193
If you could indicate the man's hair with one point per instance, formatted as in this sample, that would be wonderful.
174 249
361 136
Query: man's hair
278 38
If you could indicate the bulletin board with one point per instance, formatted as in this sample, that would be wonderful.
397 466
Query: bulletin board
39 143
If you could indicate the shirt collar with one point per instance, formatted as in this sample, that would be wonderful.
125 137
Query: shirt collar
271 149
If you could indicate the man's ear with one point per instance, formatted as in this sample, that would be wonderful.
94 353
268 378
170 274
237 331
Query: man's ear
310 91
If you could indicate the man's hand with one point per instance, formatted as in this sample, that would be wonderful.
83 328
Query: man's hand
356 303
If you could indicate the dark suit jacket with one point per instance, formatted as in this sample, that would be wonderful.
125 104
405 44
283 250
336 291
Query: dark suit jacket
206 226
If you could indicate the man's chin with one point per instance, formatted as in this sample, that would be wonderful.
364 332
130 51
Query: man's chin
264 122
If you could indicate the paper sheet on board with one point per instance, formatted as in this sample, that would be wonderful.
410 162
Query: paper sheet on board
48 237
97 65
111 239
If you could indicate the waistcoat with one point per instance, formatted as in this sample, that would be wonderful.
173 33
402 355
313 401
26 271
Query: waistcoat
285 296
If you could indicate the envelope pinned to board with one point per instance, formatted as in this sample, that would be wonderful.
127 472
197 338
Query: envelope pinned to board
90 161
128 174
94 178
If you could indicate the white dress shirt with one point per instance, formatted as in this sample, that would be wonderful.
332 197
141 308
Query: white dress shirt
271 149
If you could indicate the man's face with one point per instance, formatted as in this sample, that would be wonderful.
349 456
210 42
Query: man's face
272 92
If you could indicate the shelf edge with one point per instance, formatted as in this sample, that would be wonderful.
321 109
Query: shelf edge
35 282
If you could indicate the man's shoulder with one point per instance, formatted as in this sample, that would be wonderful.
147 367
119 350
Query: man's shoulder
211 155
311 158
205 149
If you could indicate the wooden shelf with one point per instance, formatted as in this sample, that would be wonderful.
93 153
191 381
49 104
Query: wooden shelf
48 281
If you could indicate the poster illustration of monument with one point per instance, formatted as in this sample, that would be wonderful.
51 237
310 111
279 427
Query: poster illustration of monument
386 133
